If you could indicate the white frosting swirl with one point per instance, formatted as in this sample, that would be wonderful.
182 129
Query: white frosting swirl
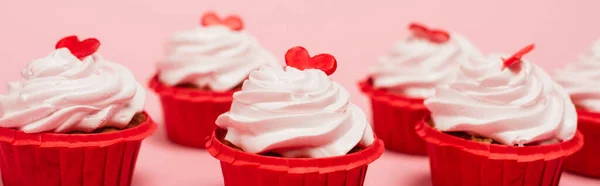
60 93
512 107
295 114
415 66
215 57
582 80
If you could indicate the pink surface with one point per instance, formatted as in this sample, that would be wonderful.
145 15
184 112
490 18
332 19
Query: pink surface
356 32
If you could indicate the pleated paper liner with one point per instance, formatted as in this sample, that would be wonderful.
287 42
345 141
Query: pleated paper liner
395 118
456 161
587 161
49 159
190 114
243 169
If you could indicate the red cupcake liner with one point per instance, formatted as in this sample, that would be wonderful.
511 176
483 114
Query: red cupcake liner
190 114
241 169
456 161
49 159
395 118
586 162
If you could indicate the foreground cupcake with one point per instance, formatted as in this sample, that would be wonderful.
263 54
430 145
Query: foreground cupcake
581 80
504 121
74 119
407 75
201 70
294 126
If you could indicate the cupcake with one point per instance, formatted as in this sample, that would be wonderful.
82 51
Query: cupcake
73 119
581 81
406 76
294 126
201 70
503 121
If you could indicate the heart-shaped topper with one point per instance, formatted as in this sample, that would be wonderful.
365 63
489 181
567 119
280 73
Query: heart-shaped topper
515 58
433 35
299 58
234 22
79 49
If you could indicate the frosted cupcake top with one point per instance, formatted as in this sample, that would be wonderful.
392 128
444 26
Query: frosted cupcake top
512 101
416 65
582 80
296 111
218 55
72 89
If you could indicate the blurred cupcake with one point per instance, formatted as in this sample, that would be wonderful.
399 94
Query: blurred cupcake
73 119
294 126
503 121
406 76
201 70
582 82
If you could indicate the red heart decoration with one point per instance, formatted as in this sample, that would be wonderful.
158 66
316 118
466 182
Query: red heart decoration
418 30
234 22
517 56
436 36
299 58
79 49
439 36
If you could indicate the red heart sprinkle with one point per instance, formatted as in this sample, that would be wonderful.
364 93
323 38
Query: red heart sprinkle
79 49
517 56
234 22
439 36
299 58
418 30
436 36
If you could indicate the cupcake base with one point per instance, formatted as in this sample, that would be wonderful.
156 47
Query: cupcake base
456 161
395 118
49 159
241 169
586 162
190 114
137 119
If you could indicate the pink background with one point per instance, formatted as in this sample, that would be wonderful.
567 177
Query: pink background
356 32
